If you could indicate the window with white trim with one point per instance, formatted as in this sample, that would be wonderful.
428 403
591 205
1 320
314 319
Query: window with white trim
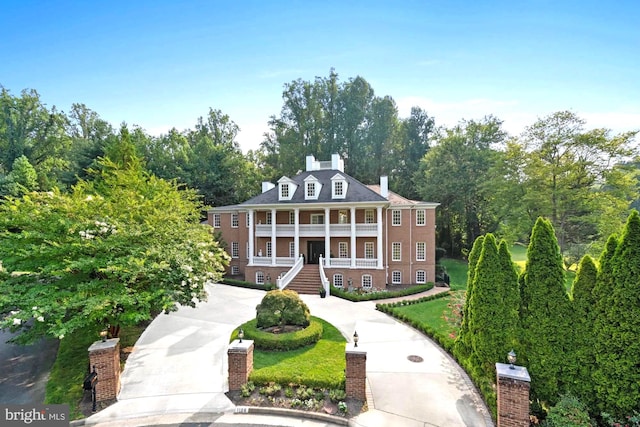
292 249
421 276
367 281
292 217
246 216
234 220
396 277
338 189
396 251
421 249
343 216
269 217
420 217
259 277
235 249
311 190
338 280
396 218
368 250
216 220
235 270
317 219
269 249
343 250
284 191
369 217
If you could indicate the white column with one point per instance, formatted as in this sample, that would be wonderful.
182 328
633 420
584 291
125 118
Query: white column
380 252
273 237
327 236
296 233
250 213
352 220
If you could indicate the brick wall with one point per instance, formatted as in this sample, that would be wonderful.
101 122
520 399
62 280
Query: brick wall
105 356
240 356
356 373
513 396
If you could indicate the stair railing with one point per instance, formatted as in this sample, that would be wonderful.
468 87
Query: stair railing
284 281
323 277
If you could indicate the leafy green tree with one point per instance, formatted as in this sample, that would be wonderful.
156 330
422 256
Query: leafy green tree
617 377
463 341
570 175
415 133
544 313
456 172
582 363
114 251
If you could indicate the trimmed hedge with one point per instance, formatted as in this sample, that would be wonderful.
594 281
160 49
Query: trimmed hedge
370 296
268 341
249 285
482 383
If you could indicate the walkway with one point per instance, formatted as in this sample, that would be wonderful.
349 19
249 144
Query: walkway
178 370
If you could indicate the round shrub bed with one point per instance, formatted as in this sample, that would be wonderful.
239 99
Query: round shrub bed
269 341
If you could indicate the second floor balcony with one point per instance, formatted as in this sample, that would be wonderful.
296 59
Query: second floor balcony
317 230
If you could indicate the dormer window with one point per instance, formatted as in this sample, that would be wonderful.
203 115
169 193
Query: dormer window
286 188
312 188
338 187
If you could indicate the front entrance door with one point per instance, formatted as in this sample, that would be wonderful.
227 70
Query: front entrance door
314 250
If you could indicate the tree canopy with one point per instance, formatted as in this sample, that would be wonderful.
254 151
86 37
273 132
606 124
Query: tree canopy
113 251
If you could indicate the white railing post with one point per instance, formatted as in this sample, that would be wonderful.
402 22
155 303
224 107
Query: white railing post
323 277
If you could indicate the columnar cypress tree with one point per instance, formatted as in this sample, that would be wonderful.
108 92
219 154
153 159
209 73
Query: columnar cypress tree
510 295
544 312
462 347
617 376
493 308
583 363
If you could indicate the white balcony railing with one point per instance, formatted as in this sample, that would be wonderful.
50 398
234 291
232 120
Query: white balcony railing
346 263
317 230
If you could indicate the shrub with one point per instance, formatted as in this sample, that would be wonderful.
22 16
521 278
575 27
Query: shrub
568 412
281 342
337 395
248 285
353 296
279 308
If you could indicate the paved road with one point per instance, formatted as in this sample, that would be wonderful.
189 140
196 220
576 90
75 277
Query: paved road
24 370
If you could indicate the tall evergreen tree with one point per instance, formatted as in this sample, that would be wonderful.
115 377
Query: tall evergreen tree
582 363
617 376
463 343
544 313
492 316
510 294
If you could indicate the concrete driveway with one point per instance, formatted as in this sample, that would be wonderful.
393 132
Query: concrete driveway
179 366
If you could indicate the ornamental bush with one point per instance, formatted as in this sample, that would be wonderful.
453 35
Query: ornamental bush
286 341
280 308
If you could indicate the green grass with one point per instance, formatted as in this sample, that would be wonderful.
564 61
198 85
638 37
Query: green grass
430 313
72 365
321 365
457 270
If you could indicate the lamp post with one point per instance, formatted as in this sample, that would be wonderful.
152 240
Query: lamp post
355 338
103 335
511 357
241 334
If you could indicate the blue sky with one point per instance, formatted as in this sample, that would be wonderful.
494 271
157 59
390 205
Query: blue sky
162 64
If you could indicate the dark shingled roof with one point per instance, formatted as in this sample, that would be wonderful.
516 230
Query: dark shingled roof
356 191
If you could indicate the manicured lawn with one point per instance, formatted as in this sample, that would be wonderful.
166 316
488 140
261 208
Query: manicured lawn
457 270
430 313
321 365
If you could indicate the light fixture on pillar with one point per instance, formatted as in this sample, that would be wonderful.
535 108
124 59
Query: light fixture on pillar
103 335
511 357
241 334
355 338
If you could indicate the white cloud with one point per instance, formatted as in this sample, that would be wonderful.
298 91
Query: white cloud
251 134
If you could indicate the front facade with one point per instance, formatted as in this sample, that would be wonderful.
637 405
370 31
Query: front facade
363 236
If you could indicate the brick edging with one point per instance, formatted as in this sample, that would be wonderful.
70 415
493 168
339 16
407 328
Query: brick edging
294 413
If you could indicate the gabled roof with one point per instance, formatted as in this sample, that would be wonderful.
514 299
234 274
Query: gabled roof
357 191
